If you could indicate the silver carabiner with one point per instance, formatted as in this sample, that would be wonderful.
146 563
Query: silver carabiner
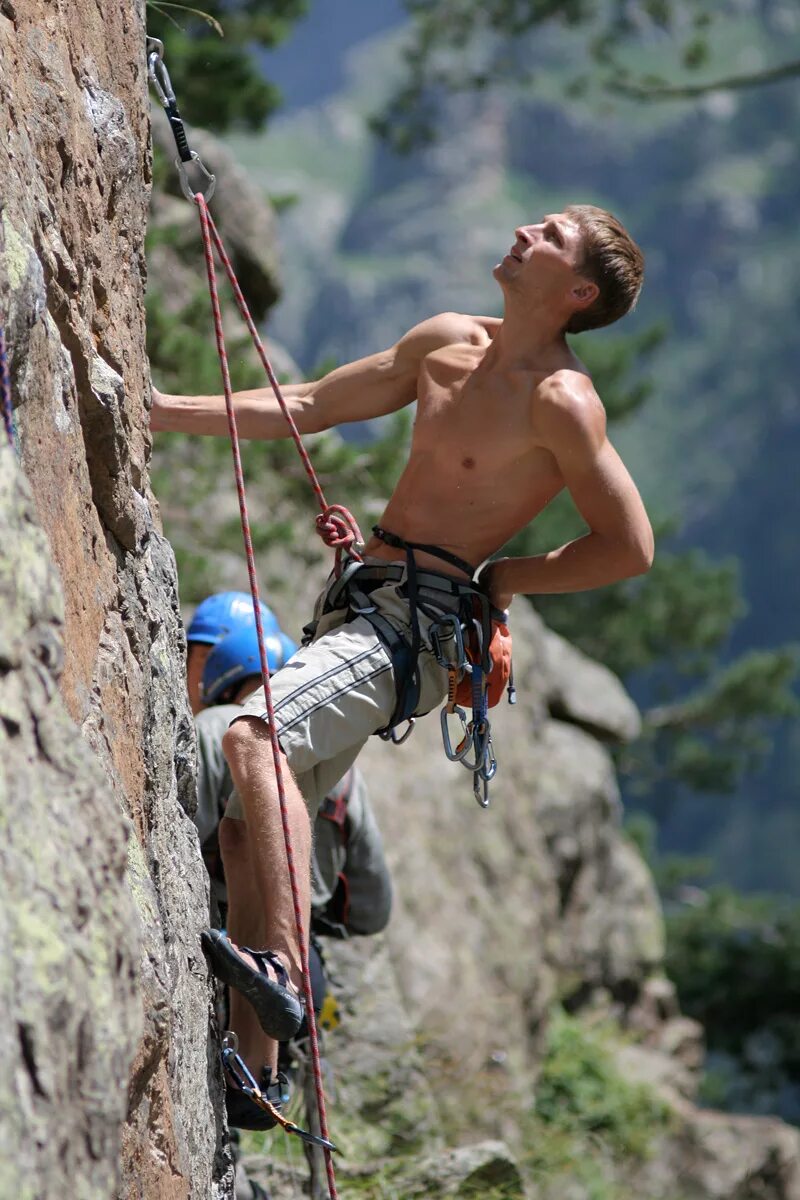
488 767
480 789
186 187
158 73
448 621
229 1039
462 750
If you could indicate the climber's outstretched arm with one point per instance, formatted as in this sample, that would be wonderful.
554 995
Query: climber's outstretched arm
370 387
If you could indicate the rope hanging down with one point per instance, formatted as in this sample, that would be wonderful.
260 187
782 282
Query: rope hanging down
335 524
211 238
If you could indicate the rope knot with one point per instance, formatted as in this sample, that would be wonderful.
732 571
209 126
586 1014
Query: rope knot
339 529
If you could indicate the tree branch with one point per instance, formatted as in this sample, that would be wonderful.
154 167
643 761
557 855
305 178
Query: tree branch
691 91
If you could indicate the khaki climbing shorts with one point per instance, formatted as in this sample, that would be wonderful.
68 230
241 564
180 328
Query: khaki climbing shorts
334 693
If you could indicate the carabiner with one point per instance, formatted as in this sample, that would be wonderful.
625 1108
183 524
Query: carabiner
239 1071
480 789
391 735
448 621
460 752
488 767
186 187
159 77
157 70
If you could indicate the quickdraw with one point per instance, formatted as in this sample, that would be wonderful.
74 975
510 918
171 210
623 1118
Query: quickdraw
459 647
239 1071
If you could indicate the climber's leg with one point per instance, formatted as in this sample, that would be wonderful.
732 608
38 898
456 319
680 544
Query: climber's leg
268 920
245 925
248 750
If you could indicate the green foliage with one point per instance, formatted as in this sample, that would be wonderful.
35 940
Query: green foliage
217 80
680 612
736 963
588 1118
720 732
183 356
582 1093
459 45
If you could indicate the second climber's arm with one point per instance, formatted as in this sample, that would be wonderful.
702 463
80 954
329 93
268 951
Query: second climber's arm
370 387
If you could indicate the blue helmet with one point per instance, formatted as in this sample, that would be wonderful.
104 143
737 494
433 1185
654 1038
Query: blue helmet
235 657
220 614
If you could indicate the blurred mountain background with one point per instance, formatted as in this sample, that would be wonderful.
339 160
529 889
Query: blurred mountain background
700 383
371 241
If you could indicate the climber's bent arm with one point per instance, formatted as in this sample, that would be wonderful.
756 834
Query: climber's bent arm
370 387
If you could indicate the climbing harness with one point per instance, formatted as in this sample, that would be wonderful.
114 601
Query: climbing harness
5 390
469 639
335 525
240 1073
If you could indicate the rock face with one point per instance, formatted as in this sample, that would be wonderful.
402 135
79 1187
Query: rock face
105 991
68 926
500 912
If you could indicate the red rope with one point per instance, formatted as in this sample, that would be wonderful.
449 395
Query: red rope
209 232
335 524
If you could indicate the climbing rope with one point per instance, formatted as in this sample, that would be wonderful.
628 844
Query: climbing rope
334 523
211 238
5 390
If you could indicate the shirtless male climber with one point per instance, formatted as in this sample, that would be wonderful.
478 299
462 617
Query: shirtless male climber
506 418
